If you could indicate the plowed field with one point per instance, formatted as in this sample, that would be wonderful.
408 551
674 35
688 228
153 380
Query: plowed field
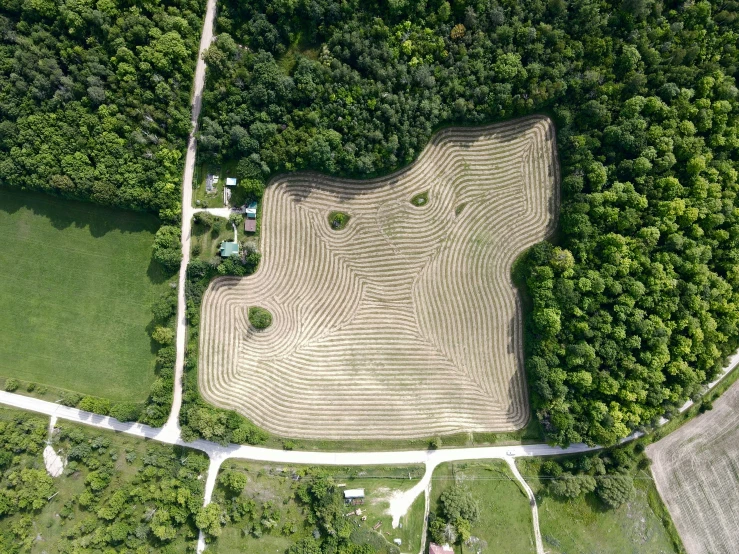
696 469
403 324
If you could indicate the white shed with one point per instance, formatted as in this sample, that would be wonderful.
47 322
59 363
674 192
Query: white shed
353 494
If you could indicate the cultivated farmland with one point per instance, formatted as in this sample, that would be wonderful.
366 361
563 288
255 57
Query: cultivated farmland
404 321
696 469
78 284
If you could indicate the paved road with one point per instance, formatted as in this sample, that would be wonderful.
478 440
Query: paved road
172 427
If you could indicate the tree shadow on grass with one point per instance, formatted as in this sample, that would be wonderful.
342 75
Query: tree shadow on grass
63 213
157 273
594 503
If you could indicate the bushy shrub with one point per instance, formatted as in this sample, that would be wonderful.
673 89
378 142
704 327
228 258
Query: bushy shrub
11 385
95 405
550 468
338 220
69 398
568 485
126 411
167 248
259 317
163 335
615 490
233 481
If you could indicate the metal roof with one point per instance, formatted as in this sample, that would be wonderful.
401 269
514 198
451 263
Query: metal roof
228 249
354 493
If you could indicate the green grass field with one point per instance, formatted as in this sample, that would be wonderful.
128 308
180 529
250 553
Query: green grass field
583 525
505 516
78 282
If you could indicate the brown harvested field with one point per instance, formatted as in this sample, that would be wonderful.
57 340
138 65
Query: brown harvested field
696 469
403 324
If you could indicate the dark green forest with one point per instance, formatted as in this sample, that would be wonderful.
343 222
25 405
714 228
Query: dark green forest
95 98
635 308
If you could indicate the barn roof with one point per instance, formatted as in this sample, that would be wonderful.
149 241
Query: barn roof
439 549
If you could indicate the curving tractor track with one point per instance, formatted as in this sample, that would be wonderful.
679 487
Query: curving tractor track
406 322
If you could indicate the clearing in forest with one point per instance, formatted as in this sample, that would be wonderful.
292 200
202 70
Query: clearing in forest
696 469
78 285
393 310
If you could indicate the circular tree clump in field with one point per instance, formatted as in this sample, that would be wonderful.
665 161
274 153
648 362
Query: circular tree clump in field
420 199
259 317
338 220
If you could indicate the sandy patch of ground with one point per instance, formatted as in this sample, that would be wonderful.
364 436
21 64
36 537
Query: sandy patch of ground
53 462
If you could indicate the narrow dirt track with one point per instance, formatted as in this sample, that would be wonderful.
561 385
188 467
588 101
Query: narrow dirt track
404 324
172 427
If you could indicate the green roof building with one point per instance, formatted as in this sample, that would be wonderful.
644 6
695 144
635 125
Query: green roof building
228 249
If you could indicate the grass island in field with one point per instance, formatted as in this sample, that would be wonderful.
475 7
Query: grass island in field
393 328
420 199
584 524
259 317
338 220
278 515
78 286
502 515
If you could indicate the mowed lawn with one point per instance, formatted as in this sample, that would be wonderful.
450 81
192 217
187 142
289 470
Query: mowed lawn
76 287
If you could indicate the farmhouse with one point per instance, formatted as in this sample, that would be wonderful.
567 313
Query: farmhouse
439 549
228 249
250 222
354 496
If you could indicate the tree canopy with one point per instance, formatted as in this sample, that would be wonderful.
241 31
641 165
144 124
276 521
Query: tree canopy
94 98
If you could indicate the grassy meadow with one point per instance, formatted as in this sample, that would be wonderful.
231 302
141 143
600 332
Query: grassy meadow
585 526
505 516
78 282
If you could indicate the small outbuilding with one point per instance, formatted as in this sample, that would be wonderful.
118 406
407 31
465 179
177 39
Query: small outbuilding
439 549
354 496
210 184
251 209
228 249
250 221
231 181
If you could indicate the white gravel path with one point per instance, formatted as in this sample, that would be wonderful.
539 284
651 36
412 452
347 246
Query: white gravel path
53 462
172 427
